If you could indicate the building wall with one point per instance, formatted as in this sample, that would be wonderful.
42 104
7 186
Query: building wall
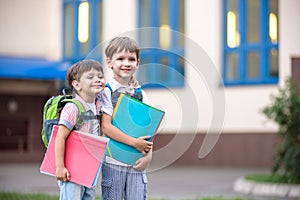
289 36
31 29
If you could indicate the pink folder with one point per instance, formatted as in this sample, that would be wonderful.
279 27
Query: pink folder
83 157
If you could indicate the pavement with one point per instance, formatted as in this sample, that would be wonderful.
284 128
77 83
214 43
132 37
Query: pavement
171 183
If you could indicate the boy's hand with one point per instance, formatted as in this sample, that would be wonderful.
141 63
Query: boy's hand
143 145
62 174
142 163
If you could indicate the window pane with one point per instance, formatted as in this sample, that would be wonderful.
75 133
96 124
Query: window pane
69 27
233 35
84 48
181 63
164 69
164 25
163 12
100 25
145 22
145 12
273 62
84 26
232 66
181 25
257 60
252 21
252 65
144 71
273 21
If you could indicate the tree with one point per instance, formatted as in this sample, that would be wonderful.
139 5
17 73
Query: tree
285 111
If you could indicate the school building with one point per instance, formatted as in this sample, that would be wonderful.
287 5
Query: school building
210 65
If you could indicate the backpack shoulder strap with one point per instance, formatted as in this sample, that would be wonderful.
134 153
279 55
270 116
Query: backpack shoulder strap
83 114
139 94
79 105
115 95
109 87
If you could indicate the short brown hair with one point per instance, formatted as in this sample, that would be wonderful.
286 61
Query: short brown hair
119 44
76 70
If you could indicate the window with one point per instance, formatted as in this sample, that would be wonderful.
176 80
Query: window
82 28
250 42
162 47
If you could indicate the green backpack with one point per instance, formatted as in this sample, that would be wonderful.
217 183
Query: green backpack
52 110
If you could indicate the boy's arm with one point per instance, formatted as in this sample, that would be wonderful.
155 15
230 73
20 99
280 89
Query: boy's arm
62 172
141 144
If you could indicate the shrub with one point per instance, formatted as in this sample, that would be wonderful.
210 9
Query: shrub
285 111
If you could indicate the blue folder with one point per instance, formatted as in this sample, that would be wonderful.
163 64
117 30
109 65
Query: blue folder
135 119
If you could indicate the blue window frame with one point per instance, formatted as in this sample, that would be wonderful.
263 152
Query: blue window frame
82 29
250 42
162 46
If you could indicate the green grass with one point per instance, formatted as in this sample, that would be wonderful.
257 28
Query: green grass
268 178
210 198
21 196
222 198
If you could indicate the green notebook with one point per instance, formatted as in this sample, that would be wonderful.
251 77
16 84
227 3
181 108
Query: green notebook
135 119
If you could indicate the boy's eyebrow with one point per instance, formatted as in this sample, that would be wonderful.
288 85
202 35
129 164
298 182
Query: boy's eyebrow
91 73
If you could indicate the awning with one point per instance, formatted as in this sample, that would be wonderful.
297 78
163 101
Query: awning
31 68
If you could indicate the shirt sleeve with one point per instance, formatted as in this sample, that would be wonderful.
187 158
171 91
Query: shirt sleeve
69 116
107 106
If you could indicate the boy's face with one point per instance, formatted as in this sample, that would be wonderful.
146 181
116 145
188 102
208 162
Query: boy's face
90 84
123 64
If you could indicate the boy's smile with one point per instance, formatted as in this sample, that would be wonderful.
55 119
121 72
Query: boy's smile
126 69
90 84
124 65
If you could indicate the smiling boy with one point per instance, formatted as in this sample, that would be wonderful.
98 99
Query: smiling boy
120 180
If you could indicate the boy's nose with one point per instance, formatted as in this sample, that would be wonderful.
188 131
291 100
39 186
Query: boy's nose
126 62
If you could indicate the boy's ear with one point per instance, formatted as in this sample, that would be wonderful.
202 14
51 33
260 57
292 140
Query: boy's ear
76 85
138 63
108 62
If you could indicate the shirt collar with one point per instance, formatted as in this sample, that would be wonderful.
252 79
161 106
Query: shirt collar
115 85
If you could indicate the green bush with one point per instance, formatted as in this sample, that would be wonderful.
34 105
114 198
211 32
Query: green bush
285 111
268 178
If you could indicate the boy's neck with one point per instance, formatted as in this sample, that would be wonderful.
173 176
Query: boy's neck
123 81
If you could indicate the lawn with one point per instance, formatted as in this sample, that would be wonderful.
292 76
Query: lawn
20 196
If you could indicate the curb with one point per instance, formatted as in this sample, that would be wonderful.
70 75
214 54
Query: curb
244 186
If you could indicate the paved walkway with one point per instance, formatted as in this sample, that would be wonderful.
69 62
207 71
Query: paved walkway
167 183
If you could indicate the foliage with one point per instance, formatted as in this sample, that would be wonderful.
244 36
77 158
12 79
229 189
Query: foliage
285 111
